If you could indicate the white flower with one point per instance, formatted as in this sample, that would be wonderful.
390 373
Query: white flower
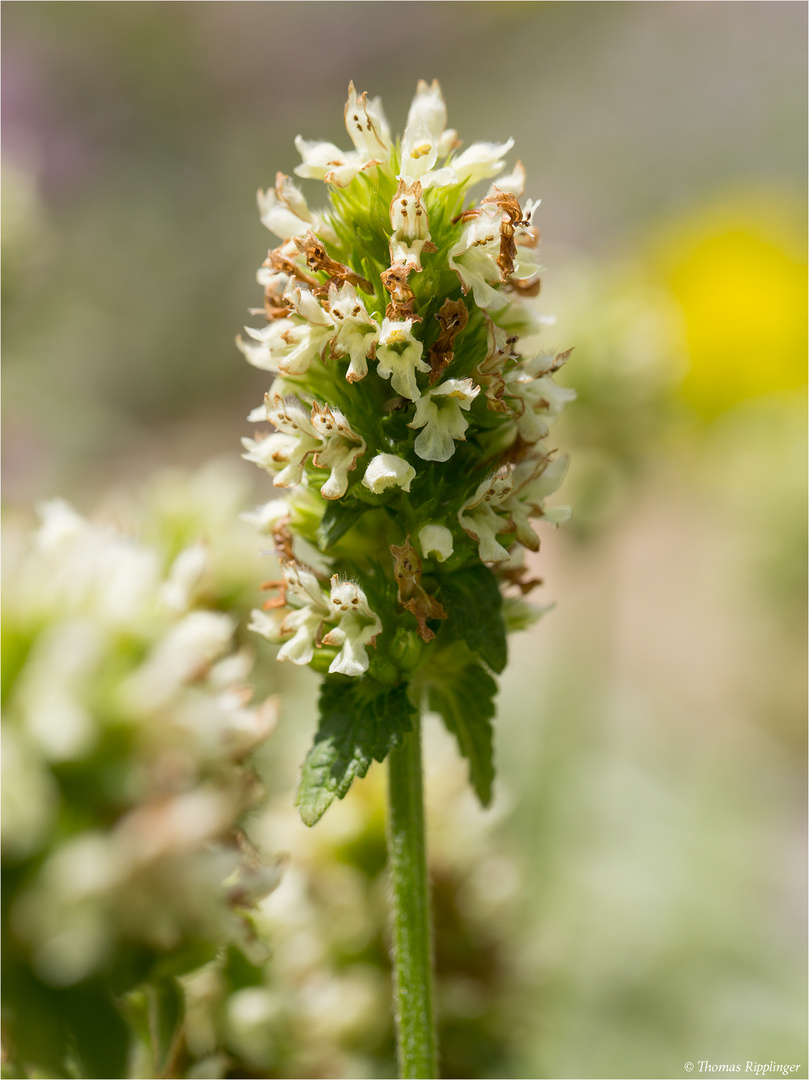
304 623
60 526
357 332
480 161
358 627
307 305
534 396
428 107
303 590
474 258
269 624
285 212
438 412
265 518
532 481
411 226
514 182
398 357
436 540
185 653
388 470
479 519
285 345
340 449
353 624
366 124
285 451
185 577
320 158
419 154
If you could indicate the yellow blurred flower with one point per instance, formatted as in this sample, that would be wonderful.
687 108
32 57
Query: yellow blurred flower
738 271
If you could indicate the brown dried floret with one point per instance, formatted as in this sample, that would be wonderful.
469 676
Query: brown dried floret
488 373
278 601
402 297
508 204
318 259
518 575
452 318
526 286
407 574
281 261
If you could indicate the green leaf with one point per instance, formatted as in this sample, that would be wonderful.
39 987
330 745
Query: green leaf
360 722
166 1012
100 1038
338 518
473 603
464 698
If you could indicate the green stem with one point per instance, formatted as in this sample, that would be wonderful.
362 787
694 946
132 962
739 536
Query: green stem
412 936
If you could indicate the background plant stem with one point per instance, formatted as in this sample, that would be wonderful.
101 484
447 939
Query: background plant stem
412 932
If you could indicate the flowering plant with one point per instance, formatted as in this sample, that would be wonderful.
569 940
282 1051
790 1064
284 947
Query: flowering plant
410 409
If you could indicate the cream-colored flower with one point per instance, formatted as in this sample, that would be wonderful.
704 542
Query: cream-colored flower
369 131
428 107
480 161
411 226
387 471
356 332
474 258
308 307
419 155
436 540
357 628
532 482
480 520
341 447
287 448
438 412
398 357
285 212
311 609
286 346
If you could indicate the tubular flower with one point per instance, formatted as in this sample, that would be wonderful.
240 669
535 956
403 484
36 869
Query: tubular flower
399 324
439 415
399 357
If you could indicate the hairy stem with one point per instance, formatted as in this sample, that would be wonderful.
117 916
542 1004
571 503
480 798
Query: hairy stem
412 935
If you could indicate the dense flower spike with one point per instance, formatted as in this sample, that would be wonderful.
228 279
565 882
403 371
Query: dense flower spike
127 774
411 400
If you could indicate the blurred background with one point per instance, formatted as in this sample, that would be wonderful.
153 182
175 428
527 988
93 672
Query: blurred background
636 898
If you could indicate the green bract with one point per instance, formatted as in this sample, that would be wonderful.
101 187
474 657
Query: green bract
409 409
